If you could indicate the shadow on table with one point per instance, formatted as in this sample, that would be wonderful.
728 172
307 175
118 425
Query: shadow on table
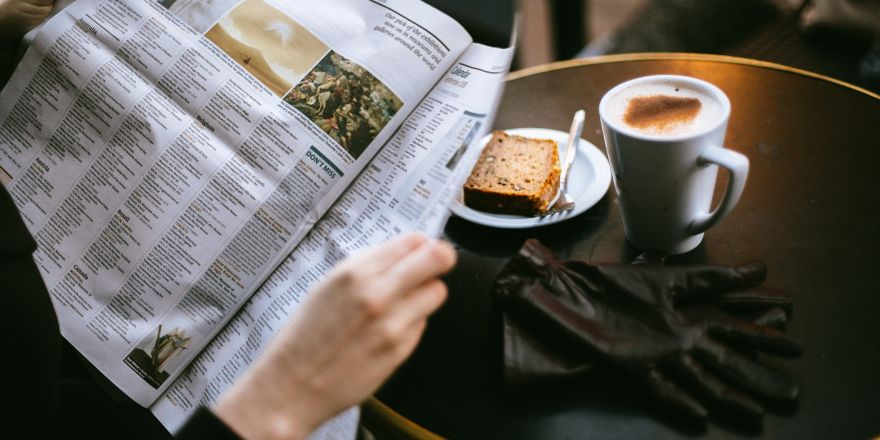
604 394
595 236
496 242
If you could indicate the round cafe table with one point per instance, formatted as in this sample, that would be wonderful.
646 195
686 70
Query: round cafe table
810 211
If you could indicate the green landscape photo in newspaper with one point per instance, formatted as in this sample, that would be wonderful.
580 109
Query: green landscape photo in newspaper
268 44
345 101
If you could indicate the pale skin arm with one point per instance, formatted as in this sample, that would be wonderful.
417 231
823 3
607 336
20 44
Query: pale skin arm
347 338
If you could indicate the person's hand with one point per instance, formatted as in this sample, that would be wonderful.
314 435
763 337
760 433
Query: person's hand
348 336
17 17
660 324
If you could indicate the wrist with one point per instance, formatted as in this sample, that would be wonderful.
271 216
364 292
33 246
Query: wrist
255 410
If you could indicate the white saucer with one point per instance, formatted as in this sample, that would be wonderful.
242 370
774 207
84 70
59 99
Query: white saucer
588 182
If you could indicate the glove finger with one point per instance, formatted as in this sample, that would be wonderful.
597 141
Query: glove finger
531 264
775 318
673 397
746 372
698 282
753 299
767 339
688 370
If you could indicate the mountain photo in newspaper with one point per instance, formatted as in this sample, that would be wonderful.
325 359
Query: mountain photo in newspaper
346 101
268 44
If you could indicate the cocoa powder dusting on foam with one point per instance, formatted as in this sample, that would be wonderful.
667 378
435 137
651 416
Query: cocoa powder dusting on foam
660 113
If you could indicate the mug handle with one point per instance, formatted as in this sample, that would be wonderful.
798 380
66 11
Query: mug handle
737 166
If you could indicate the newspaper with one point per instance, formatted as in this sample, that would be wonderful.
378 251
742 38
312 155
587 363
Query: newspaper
188 173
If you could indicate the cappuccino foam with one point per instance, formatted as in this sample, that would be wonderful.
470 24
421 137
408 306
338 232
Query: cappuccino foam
664 109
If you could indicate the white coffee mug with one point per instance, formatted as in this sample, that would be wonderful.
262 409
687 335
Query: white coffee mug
665 181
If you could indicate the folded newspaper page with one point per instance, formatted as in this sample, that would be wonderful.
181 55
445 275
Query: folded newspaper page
168 161
407 187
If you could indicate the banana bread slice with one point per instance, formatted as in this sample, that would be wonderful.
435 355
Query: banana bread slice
514 175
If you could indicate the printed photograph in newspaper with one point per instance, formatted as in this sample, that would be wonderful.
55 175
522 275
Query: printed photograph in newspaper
156 352
346 101
268 44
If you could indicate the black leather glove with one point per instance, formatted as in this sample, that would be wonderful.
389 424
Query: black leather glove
667 326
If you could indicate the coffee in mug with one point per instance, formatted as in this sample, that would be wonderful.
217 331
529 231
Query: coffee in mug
664 137
664 109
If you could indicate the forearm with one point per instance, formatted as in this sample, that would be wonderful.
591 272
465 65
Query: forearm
256 411
277 397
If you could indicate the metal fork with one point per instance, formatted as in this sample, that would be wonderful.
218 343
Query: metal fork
562 201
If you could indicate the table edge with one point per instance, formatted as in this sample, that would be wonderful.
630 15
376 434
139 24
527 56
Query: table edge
680 56
378 416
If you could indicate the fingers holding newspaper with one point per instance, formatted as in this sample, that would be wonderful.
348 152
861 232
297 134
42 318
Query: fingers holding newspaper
17 17
355 328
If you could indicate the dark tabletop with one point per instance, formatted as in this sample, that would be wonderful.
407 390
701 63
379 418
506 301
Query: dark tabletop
810 210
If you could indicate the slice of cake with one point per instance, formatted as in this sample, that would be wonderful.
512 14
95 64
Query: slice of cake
514 175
